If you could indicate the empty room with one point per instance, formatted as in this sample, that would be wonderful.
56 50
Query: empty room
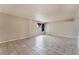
39 29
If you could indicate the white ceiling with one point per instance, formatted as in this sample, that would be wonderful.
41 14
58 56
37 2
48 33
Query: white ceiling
44 13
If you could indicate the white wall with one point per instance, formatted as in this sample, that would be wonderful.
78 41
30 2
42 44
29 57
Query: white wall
15 28
12 28
33 28
65 29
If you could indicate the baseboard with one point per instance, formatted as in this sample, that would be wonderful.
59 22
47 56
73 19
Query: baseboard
22 37
33 34
66 36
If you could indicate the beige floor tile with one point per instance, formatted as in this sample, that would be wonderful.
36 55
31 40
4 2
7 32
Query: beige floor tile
40 45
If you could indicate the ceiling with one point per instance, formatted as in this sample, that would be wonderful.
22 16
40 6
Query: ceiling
41 12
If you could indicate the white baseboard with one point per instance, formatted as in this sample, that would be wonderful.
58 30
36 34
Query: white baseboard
62 35
22 37
32 35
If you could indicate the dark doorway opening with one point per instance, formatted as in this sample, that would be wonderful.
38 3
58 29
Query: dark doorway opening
41 26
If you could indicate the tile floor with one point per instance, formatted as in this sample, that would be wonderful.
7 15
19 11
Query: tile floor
40 45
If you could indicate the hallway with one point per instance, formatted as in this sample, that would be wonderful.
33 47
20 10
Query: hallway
39 29
40 45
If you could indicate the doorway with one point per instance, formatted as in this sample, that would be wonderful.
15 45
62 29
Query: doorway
41 27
